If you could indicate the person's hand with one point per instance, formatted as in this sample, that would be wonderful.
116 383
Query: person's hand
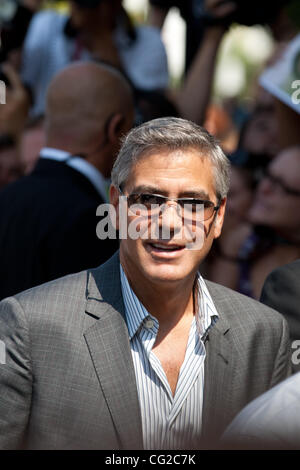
220 8
14 112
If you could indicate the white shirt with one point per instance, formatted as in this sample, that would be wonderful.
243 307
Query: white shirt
100 183
168 422
272 419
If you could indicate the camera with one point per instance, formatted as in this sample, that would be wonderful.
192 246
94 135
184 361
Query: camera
87 3
250 12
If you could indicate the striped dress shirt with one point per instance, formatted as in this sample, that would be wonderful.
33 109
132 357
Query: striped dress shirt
169 422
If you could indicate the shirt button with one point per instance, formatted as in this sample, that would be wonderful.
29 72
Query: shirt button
149 324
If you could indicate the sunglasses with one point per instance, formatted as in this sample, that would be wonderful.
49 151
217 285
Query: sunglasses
154 202
278 183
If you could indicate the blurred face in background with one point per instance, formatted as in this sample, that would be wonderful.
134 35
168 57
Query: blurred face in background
261 134
240 197
277 200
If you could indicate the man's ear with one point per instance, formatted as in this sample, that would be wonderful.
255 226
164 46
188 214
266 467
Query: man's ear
115 127
114 194
220 218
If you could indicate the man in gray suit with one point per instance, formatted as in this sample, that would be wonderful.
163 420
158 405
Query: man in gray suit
141 352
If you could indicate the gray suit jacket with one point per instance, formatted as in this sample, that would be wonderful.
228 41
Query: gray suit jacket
69 382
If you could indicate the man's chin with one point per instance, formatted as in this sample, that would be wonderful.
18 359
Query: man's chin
164 275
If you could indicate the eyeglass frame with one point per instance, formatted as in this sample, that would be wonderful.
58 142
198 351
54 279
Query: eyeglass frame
277 182
177 200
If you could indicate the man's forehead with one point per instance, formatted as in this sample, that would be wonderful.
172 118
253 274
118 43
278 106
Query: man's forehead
179 159
189 171
165 152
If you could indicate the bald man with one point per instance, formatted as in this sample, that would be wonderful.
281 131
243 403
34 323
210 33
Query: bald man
48 218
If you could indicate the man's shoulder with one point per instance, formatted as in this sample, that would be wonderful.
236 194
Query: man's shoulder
65 290
58 305
70 292
239 308
287 273
51 181
67 306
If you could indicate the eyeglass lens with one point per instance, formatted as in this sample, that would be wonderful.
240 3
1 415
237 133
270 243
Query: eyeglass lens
154 203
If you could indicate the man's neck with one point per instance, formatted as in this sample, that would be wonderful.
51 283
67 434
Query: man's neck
82 165
62 145
97 159
173 306
168 302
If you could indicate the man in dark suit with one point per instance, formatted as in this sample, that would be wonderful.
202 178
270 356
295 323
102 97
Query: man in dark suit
48 218
141 352
281 291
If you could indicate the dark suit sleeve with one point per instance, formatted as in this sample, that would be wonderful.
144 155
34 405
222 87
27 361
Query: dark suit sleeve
281 291
282 365
15 375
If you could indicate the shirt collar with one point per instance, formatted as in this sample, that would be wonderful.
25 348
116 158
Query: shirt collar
136 313
134 309
82 166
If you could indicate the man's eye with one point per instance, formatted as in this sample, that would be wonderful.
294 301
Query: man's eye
207 204
150 199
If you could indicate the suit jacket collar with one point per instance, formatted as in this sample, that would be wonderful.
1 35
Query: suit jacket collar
51 169
80 164
109 346
219 370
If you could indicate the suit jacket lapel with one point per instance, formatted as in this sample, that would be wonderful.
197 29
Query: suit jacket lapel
109 346
219 373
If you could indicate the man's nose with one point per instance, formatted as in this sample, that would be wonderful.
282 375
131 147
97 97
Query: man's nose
170 217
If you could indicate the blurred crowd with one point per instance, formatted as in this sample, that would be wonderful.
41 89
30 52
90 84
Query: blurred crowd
78 75
262 224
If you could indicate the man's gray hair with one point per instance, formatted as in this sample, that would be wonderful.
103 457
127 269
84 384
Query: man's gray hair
172 134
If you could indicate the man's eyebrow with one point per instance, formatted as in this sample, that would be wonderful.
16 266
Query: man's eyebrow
149 189
191 193
196 193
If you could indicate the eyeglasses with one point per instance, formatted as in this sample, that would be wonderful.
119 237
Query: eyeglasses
154 202
279 184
